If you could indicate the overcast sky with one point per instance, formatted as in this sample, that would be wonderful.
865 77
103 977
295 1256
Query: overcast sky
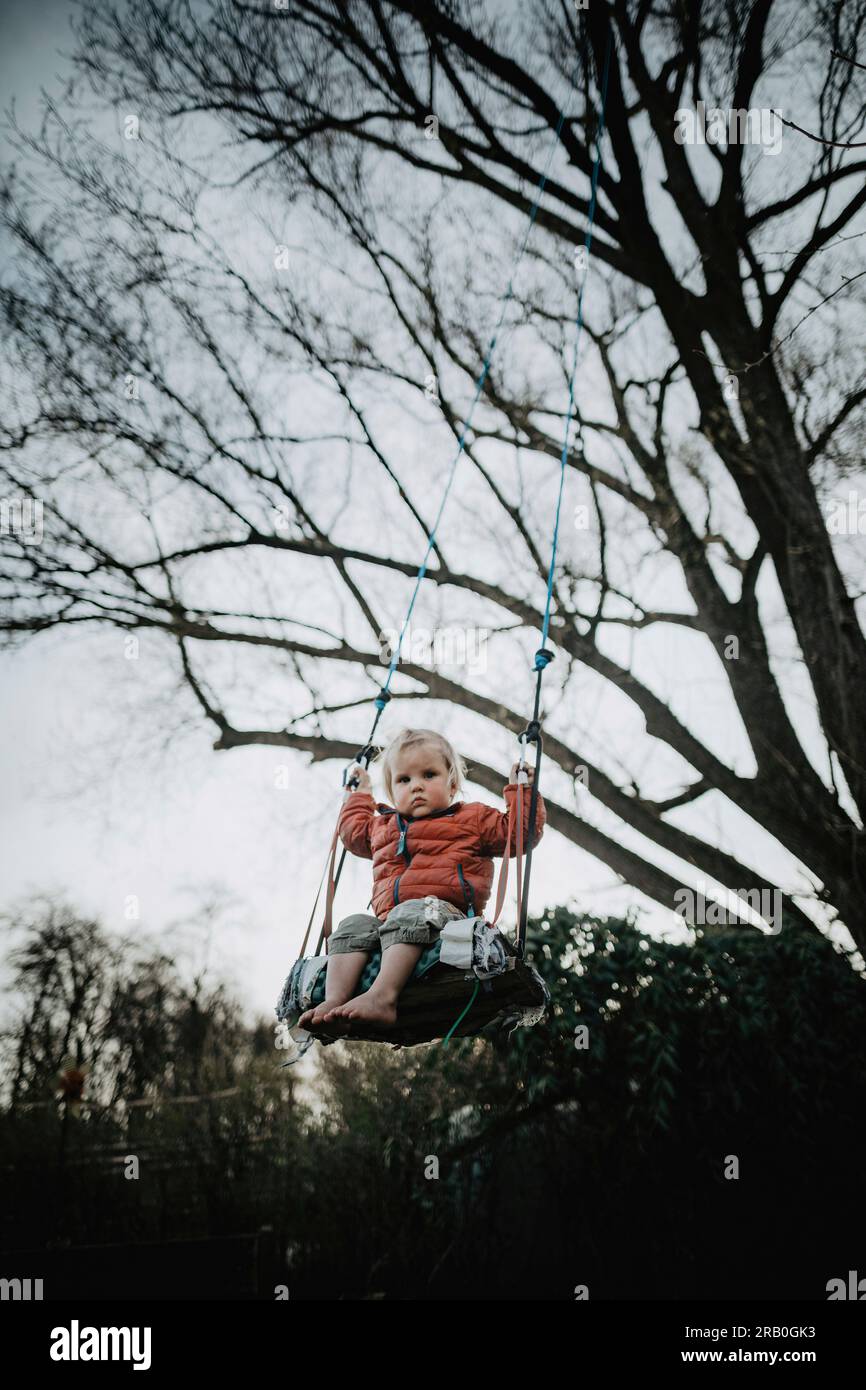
31 39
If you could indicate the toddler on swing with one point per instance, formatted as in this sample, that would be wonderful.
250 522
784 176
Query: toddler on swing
432 861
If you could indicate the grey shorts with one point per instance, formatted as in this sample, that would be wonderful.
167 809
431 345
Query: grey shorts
417 922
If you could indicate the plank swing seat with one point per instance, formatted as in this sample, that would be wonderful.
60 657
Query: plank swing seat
437 994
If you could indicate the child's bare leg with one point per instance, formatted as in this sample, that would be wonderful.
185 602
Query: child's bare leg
378 1004
341 979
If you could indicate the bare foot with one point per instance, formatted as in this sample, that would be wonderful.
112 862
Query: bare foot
369 1007
312 1017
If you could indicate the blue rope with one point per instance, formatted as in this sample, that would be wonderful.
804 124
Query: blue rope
383 697
542 657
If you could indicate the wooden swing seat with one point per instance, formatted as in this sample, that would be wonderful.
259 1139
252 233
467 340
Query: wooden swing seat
434 1000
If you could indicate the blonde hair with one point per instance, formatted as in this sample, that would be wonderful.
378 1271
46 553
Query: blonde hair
410 738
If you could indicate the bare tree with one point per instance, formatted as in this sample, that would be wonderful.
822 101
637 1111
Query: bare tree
126 1012
218 378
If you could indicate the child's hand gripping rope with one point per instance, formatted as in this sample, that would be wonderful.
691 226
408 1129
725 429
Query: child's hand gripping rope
530 773
363 776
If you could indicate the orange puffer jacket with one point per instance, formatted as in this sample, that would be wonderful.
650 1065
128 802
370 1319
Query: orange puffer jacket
448 854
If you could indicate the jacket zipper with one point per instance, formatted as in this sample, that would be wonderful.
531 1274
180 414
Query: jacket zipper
401 849
468 892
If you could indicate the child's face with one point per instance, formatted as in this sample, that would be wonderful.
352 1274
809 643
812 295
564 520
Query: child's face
421 781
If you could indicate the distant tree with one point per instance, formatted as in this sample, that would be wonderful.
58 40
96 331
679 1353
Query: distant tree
76 992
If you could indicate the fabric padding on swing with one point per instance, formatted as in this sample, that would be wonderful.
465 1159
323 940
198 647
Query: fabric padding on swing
430 1003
